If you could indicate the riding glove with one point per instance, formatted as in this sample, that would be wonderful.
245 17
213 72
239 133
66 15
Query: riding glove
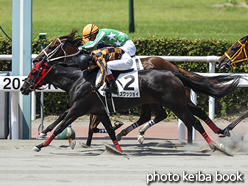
95 88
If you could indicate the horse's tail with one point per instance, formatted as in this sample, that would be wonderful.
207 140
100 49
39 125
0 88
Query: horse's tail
216 82
203 88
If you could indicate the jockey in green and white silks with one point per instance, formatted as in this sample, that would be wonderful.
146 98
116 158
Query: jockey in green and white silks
114 38
94 37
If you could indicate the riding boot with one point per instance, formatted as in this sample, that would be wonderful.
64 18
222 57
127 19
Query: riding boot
112 88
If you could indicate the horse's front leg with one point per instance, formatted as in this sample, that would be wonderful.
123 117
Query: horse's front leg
53 125
94 122
71 116
107 124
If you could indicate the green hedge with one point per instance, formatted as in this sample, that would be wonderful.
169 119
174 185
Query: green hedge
56 103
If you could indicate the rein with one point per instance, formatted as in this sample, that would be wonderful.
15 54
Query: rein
52 53
237 54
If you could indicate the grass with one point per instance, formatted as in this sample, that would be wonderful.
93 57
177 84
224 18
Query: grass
189 19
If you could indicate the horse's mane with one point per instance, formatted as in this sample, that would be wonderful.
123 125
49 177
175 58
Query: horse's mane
244 37
72 38
69 62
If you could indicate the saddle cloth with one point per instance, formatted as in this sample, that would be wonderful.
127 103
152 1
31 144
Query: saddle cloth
128 85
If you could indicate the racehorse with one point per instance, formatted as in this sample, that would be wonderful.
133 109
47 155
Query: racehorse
149 62
161 87
237 53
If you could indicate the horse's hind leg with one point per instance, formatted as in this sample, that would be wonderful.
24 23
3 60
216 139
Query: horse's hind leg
190 121
202 115
144 117
160 114
197 125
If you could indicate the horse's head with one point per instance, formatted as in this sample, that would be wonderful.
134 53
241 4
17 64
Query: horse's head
235 54
60 48
36 77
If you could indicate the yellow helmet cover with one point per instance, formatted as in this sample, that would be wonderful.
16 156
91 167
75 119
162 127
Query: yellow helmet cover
89 30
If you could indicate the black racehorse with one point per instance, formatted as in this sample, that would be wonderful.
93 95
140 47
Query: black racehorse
156 86
65 47
237 53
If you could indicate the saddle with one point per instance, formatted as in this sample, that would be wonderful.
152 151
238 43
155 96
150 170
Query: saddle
116 73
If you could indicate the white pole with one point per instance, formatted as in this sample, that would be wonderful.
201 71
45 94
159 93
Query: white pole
193 97
181 130
14 125
33 106
211 99
41 111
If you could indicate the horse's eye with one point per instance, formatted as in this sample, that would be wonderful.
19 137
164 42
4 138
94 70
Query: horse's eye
52 47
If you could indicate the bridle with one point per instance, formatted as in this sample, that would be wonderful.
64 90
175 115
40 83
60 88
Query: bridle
52 53
42 70
41 66
237 54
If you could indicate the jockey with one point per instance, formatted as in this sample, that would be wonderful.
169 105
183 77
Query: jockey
93 38
105 59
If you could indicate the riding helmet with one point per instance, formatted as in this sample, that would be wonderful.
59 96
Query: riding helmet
83 61
89 30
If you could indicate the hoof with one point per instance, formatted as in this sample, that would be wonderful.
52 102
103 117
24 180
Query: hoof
118 124
84 145
73 144
36 149
225 133
113 150
140 139
42 136
220 148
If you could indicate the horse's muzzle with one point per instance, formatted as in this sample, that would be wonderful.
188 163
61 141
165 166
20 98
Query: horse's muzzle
25 91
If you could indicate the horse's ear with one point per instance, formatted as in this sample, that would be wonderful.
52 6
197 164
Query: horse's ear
42 61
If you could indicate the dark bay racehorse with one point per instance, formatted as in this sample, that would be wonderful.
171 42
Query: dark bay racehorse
237 53
69 48
161 87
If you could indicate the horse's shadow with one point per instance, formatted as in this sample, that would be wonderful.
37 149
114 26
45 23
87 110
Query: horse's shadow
137 150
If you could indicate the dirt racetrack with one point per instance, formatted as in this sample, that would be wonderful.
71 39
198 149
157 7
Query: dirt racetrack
160 160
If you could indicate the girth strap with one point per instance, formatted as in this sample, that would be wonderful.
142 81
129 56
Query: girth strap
110 103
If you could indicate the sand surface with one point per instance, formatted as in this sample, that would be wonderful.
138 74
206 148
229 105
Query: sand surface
161 158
